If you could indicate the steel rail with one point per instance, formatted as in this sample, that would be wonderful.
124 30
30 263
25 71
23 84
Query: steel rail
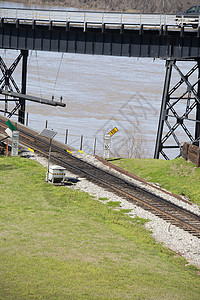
93 166
184 224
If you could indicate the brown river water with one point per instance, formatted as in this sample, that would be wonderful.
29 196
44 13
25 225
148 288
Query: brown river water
101 92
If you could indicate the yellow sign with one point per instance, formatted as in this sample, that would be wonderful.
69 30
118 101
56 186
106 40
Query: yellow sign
113 131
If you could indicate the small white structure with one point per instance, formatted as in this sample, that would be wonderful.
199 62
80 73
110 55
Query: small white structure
15 143
56 174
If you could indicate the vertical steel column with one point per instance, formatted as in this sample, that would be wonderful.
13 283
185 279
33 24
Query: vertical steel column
21 116
197 127
7 75
165 98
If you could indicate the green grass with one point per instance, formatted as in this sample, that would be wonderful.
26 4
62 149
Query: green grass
56 243
113 204
177 176
103 198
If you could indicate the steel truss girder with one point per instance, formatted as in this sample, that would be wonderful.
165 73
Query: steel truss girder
8 83
171 119
7 74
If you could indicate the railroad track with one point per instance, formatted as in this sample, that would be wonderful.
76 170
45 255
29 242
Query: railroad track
159 206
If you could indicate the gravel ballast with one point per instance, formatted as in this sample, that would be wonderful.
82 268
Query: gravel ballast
176 239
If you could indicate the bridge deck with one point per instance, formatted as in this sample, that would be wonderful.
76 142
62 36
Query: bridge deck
136 35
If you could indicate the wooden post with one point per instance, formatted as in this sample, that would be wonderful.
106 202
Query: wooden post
7 149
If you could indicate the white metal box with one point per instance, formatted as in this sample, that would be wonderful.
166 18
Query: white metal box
57 173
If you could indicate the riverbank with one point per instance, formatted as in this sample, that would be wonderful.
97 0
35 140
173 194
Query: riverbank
76 4
143 6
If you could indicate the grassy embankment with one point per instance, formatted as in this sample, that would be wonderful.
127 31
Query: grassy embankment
177 176
57 243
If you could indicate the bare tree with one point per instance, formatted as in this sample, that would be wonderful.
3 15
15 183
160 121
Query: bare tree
131 146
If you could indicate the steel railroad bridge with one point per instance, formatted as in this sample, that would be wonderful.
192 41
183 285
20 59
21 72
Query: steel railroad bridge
119 34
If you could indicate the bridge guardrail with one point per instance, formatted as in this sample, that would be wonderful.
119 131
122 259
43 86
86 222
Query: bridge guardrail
87 16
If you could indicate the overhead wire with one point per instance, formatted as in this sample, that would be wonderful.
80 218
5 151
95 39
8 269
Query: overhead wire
59 67
38 74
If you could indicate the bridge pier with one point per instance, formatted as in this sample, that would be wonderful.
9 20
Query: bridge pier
179 109
8 83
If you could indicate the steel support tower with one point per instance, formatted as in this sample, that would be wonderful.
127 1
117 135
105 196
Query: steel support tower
8 83
180 109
